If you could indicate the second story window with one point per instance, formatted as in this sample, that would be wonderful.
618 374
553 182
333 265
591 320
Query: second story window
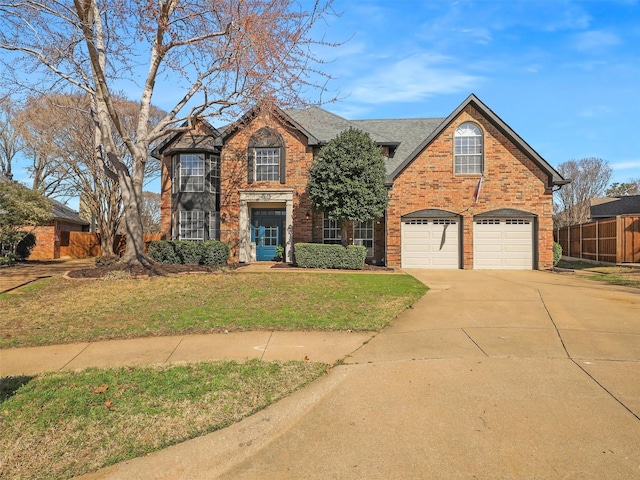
266 157
267 164
468 149
192 173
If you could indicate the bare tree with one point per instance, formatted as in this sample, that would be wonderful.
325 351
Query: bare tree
589 178
58 133
215 56
38 125
9 145
151 212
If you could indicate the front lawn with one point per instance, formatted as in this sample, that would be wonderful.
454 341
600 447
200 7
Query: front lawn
65 424
612 274
56 310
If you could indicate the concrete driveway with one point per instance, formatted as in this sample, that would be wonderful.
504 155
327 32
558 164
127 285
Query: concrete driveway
491 375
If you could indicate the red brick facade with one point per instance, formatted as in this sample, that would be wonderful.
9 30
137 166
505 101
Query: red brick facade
513 178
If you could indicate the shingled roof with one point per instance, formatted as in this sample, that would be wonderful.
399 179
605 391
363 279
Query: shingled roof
63 213
616 206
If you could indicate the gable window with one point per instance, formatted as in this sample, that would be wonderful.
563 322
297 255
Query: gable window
191 225
363 235
468 149
191 172
266 152
331 231
267 164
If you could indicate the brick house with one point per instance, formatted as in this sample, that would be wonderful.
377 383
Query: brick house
55 234
465 191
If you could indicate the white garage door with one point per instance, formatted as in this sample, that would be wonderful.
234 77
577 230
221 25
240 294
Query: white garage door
430 243
503 244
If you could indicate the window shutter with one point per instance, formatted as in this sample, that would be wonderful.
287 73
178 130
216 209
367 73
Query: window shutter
283 166
250 167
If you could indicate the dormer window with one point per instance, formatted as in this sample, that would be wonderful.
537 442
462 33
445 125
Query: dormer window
468 155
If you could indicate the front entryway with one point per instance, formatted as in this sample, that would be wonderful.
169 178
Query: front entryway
267 232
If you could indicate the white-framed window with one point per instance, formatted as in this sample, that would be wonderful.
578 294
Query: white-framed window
191 225
468 149
191 172
363 235
331 231
214 225
267 164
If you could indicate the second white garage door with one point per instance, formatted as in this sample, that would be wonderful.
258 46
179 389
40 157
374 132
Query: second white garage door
503 243
430 243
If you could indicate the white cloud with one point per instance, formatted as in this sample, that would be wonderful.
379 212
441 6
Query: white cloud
413 79
595 40
627 165
595 111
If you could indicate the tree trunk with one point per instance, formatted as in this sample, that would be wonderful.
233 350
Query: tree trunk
344 232
131 186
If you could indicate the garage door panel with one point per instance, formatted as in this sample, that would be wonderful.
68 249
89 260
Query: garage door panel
503 244
430 243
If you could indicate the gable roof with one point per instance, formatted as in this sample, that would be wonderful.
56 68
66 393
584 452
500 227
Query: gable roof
405 137
63 213
612 207
554 178
188 140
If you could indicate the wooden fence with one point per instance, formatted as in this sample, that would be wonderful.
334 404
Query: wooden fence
87 244
615 240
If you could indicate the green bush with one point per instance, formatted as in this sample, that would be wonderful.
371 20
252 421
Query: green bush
162 251
24 247
211 252
215 253
8 261
557 253
188 252
318 255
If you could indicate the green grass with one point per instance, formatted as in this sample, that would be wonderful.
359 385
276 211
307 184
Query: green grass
611 274
56 310
62 425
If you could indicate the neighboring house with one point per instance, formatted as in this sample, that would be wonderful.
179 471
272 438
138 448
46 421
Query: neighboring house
613 206
55 234
465 191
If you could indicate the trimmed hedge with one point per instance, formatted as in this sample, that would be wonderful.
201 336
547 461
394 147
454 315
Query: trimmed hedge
557 253
319 255
211 252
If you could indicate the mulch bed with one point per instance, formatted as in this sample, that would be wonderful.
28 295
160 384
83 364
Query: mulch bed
163 269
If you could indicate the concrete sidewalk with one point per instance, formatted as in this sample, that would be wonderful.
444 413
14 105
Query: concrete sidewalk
325 347
492 375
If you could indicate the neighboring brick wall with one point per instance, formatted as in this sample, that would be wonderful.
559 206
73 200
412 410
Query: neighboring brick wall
48 239
47 243
511 180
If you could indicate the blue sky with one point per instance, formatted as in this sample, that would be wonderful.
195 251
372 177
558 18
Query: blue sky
563 74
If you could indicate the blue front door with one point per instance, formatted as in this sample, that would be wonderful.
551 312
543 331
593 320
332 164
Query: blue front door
266 232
